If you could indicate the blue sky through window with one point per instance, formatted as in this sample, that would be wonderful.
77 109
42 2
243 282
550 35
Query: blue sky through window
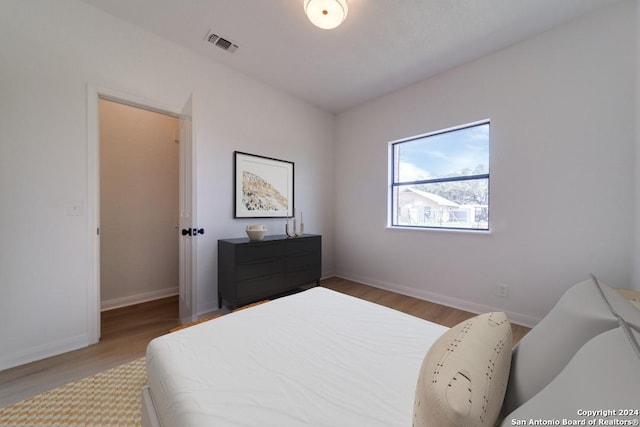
444 154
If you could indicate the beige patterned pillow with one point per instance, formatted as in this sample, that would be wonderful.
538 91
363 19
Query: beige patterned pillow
464 374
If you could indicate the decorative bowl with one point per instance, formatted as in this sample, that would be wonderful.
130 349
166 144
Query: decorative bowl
256 232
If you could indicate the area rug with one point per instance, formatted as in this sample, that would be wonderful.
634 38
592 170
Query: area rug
109 398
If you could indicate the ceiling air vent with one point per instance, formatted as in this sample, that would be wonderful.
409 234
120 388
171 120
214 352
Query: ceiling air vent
222 43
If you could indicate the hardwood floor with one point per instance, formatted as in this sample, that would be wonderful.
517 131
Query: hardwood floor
126 332
433 312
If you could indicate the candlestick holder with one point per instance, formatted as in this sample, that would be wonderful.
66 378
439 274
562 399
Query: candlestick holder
294 232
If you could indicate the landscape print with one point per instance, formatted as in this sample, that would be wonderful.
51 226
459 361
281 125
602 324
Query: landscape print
259 195
263 186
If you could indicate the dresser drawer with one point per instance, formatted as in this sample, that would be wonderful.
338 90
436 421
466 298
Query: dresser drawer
302 277
260 287
302 244
259 251
301 262
251 270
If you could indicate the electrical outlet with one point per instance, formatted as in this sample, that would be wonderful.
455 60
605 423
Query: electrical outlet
502 290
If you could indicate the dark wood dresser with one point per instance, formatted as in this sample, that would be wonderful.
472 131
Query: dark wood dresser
251 271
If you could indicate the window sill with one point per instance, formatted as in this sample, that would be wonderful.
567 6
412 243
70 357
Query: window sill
440 230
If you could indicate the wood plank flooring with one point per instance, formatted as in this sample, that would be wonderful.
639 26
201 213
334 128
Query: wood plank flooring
126 332
433 312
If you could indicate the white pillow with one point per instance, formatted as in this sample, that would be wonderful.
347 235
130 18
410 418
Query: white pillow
586 310
464 374
603 375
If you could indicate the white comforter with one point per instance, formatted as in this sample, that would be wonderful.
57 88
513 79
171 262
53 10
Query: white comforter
317 358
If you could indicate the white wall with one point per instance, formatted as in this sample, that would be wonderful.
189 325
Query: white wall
51 51
139 157
562 131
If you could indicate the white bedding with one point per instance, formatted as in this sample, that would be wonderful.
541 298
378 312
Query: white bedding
316 358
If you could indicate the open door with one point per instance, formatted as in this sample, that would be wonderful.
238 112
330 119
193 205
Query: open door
187 243
187 247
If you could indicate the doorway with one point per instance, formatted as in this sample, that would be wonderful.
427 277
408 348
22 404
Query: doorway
187 248
139 204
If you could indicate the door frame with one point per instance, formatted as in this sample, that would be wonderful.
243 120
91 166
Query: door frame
94 94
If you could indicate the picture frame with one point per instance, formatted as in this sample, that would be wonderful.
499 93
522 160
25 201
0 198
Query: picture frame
264 186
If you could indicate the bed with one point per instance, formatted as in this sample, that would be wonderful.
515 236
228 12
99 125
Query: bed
321 358
316 358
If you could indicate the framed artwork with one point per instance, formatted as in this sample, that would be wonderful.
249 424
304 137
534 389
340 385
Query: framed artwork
263 186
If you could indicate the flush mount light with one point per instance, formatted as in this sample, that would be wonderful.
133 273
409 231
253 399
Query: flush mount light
326 14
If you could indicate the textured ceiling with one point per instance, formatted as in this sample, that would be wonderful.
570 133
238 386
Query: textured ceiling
383 45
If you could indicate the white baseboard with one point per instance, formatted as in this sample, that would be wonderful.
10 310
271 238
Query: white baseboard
43 351
137 299
517 318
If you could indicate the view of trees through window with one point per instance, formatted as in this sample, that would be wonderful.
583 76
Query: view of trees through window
441 180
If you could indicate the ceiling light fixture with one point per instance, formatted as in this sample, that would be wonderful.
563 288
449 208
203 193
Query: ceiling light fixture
326 14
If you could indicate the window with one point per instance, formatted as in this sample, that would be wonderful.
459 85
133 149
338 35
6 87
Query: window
441 180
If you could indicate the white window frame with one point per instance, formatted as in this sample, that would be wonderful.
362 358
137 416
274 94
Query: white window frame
391 213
